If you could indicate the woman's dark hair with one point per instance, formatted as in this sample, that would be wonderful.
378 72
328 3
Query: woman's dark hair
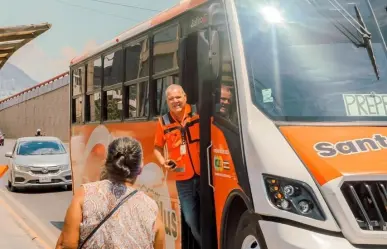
124 158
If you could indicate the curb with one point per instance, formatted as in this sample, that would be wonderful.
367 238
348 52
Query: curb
28 221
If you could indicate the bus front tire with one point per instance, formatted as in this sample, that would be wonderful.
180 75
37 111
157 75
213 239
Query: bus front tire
248 234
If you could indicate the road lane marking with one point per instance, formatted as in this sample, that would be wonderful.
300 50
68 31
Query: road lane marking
24 226
52 238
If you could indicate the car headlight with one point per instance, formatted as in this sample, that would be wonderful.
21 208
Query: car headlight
293 196
64 167
22 168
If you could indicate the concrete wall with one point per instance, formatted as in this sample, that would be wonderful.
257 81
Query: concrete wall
45 106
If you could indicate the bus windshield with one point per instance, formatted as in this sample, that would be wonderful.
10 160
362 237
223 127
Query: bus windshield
315 60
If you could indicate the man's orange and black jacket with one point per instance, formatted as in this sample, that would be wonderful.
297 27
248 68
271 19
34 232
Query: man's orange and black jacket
171 133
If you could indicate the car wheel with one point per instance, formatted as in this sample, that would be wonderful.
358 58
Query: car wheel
248 234
11 187
67 187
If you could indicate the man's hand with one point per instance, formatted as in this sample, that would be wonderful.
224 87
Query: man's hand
166 163
170 164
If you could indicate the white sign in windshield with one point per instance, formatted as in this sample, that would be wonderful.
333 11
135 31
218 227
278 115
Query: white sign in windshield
266 95
365 104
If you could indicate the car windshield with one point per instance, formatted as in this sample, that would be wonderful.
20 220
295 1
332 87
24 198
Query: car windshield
28 148
315 60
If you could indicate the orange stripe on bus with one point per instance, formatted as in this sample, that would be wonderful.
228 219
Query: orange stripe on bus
331 152
175 11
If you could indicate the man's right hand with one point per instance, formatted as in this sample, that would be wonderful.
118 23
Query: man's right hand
168 164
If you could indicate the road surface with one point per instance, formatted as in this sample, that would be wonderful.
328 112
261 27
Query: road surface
13 232
42 209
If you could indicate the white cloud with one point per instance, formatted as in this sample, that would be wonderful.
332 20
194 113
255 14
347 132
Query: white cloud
40 65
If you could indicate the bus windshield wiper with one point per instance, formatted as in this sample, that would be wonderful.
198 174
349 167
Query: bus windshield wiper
367 42
360 27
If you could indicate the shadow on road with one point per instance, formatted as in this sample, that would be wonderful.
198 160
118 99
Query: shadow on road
58 224
39 190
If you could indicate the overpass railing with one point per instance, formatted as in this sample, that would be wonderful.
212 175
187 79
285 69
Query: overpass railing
36 91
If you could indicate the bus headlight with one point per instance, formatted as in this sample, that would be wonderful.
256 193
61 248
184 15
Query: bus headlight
293 196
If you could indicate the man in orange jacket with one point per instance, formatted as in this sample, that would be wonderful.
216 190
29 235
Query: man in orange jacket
178 131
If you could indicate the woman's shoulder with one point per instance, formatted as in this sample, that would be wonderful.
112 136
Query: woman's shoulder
95 183
148 201
95 186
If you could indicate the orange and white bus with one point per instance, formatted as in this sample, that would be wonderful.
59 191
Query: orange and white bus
292 97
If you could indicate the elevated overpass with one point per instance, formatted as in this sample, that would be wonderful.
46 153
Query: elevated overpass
45 106
15 37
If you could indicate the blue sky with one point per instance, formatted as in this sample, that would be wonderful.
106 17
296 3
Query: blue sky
76 26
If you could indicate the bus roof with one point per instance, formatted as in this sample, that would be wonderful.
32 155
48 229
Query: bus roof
164 16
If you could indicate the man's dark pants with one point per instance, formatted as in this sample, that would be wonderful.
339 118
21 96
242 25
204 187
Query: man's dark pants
189 195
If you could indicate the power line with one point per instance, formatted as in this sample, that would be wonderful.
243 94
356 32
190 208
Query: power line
125 5
97 11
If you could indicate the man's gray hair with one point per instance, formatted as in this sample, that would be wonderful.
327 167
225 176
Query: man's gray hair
173 87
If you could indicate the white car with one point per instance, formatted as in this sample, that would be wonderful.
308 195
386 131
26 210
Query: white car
38 161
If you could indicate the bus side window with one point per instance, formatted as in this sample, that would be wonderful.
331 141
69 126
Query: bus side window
136 84
112 84
93 91
165 49
162 84
165 62
225 97
137 102
78 79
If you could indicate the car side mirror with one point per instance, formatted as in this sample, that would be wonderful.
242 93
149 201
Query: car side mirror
8 154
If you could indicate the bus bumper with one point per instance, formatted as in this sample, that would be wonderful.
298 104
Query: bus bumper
282 236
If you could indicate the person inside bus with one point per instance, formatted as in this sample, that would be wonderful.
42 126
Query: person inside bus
179 131
135 224
225 100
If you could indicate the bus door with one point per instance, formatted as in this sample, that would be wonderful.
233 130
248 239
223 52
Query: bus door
194 64
206 75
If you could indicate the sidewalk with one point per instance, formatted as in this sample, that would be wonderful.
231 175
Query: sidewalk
13 231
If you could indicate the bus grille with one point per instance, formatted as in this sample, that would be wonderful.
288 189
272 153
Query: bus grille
368 202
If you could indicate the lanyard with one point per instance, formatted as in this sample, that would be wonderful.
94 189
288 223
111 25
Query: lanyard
182 127
182 131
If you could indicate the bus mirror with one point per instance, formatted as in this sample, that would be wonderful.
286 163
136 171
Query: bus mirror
216 19
216 15
204 56
188 62
199 61
214 53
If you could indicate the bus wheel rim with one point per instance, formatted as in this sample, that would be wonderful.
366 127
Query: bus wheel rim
250 242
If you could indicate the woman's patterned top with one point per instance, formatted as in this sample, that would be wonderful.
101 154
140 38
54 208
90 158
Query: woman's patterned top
130 227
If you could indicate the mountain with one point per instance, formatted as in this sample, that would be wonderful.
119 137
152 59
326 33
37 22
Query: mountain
13 80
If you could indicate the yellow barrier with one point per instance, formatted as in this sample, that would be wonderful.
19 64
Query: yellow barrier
3 170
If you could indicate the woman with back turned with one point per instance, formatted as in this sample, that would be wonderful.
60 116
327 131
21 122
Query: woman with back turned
136 224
